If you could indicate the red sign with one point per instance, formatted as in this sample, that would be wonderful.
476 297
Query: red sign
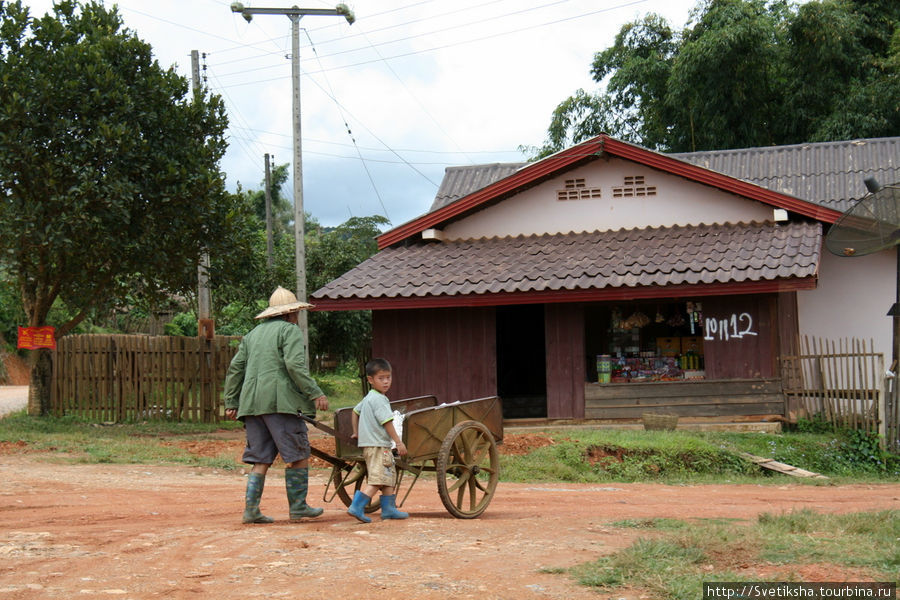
34 338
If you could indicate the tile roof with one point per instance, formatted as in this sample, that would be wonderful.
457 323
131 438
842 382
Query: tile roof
664 256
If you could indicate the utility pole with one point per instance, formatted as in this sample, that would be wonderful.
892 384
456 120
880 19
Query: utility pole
205 325
269 245
295 14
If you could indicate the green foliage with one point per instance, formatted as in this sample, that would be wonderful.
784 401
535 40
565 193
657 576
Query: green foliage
110 185
743 73
184 324
345 335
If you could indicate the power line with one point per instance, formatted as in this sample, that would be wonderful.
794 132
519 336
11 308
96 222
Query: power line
350 133
460 43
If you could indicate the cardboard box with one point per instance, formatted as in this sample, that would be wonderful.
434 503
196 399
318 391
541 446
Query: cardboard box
692 344
668 346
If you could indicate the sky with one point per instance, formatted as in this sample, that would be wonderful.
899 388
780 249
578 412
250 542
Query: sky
387 103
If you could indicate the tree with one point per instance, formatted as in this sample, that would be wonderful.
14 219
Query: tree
282 208
109 178
330 254
743 73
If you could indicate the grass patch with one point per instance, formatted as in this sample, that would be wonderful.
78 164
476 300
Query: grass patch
596 456
675 561
77 440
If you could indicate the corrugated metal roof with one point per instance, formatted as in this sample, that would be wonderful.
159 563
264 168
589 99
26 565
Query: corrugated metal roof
830 174
586 261
460 181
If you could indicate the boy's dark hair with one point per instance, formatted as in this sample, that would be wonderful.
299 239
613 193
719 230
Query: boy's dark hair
377 365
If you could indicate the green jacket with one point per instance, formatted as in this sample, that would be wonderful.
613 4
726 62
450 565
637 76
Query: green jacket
269 373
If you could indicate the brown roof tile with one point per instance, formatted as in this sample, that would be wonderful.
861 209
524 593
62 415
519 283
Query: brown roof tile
586 261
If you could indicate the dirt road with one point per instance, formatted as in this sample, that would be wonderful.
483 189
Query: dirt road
138 532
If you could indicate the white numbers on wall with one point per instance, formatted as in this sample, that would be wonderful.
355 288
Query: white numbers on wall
733 328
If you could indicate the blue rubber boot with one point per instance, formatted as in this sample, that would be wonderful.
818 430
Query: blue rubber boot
358 507
389 508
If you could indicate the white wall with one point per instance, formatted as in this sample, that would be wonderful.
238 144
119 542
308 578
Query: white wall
852 299
677 202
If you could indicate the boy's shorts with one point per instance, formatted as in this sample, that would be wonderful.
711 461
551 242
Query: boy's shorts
380 466
274 434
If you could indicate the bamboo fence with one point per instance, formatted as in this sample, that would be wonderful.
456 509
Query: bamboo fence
115 378
841 381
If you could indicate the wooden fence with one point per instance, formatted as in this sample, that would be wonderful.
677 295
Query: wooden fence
137 377
841 381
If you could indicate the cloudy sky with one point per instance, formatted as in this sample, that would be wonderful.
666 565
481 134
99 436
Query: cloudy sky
420 85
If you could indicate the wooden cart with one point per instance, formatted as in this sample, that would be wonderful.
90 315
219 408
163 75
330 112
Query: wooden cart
457 441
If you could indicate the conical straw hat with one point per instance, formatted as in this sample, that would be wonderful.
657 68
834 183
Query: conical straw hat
281 302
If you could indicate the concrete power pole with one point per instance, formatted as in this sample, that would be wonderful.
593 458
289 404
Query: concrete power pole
269 244
205 325
295 14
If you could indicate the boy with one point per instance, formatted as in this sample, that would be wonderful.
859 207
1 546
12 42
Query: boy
373 428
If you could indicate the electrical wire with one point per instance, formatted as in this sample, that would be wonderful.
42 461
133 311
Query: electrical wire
350 133
453 44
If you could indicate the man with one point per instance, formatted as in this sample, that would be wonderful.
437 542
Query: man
267 384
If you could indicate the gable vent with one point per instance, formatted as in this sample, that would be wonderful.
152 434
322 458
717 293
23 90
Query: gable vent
576 189
634 186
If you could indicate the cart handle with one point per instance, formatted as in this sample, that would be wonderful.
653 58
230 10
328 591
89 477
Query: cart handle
325 428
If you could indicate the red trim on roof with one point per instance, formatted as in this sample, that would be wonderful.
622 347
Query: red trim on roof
561 296
596 147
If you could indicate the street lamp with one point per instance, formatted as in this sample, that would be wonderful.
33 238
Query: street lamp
295 14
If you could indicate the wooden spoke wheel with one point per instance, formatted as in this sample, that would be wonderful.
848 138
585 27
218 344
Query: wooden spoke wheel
468 467
348 480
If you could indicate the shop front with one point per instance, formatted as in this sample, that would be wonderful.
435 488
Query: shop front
708 356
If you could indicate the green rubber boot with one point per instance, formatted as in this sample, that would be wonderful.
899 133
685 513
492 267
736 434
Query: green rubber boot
255 484
296 481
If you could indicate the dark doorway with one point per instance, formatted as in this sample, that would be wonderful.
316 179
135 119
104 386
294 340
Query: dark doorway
521 361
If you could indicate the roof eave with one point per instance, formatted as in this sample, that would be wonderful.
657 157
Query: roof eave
569 296
596 147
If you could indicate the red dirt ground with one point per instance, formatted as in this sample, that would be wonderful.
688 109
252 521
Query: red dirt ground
147 531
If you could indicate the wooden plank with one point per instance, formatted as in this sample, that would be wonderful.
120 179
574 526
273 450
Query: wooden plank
768 463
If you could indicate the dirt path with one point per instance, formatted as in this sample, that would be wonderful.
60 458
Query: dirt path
136 532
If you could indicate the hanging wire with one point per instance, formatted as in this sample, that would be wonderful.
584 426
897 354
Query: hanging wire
349 132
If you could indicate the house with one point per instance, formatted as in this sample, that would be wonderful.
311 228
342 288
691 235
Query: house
609 280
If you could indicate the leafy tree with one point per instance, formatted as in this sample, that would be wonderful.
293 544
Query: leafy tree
743 73
282 208
109 178
330 254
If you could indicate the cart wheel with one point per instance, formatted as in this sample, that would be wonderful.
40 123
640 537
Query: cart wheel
468 467
347 481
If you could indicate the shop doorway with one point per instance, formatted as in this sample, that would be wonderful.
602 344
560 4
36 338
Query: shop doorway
521 361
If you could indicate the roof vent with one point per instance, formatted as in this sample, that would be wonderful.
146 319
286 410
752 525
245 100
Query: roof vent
433 234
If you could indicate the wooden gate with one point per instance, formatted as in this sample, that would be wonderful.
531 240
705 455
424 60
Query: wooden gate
841 381
137 377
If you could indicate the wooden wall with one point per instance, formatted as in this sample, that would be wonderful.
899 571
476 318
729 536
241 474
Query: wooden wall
740 336
564 339
448 352
757 397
